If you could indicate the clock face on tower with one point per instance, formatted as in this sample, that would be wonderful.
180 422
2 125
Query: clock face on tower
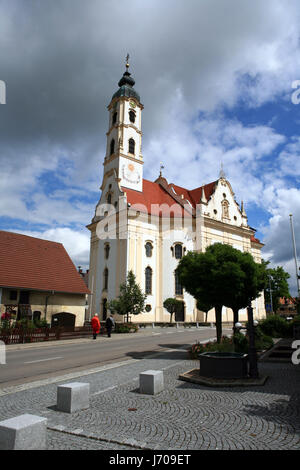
132 104
130 173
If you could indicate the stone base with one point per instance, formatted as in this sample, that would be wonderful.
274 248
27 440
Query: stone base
24 432
73 397
194 376
151 382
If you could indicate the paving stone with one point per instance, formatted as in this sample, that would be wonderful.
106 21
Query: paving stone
183 416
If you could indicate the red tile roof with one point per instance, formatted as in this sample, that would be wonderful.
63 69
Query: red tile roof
161 193
31 263
255 240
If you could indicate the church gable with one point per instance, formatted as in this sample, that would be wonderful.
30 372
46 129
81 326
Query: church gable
223 207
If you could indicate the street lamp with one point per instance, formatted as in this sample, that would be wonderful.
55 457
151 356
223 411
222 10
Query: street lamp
270 290
295 253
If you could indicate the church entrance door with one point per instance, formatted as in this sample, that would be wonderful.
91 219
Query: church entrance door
179 314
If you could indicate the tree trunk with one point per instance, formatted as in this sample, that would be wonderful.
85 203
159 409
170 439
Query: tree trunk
218 310
235 316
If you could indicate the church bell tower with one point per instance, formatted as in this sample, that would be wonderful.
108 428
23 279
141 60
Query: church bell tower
124 136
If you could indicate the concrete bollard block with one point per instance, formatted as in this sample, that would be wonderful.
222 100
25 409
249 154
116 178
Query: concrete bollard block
72 397
24 432
151 382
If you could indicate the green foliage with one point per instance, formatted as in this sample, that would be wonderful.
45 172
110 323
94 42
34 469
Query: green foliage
131 300
278 281
237 343
41 323
225 345
221 276
241 343
276 327
296 320
126 328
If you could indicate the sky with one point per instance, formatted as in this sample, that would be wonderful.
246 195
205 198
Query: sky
219 81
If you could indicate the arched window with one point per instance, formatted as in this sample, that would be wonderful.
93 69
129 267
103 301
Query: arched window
132 116
106 250
131 146
114 118
108 199
105 279
148 249
112 146
178 286
178 251
148 280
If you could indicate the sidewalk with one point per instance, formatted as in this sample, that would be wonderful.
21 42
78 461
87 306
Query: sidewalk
184 416
142 332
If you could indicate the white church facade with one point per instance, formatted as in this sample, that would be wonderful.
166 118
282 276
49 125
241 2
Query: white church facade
147 226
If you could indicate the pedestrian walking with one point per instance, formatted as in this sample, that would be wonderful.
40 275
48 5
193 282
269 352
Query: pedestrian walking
95 322
110 322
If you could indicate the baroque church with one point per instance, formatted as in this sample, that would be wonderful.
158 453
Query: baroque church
147 226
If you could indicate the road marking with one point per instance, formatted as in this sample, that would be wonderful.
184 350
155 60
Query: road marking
43 360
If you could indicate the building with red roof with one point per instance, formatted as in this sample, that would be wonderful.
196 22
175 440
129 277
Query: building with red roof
39 280
147 226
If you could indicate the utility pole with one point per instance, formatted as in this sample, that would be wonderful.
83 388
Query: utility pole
295 253
270 289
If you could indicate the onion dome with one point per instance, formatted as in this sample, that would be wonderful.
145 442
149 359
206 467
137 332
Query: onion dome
126 84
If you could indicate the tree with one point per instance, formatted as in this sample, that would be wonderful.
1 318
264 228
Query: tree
221 276
171 305
204 308
131 300
278 282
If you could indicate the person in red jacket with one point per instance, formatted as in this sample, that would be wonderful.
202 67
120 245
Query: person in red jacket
95 325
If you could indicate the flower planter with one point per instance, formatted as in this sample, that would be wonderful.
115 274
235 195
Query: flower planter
223 365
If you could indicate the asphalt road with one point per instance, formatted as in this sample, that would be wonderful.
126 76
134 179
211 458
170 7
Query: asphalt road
27 363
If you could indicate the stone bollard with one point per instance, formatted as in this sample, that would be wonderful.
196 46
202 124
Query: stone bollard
2 353
24 432
151 382
73 397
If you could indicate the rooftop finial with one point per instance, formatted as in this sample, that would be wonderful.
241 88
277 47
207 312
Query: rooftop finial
161 168
222 172
127 62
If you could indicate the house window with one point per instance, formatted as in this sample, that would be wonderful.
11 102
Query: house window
178 251
148 249
132 116
178 286
131 146
13 294
112 146
105 277
106 250
148 281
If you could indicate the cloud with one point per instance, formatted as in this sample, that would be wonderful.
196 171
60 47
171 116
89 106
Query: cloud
76 243
61 62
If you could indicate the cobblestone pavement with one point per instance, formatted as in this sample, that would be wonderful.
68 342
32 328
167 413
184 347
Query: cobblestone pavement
184 416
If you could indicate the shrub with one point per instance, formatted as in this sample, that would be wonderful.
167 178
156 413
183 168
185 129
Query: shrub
275 327
126 328
238 343
241 343
226 345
